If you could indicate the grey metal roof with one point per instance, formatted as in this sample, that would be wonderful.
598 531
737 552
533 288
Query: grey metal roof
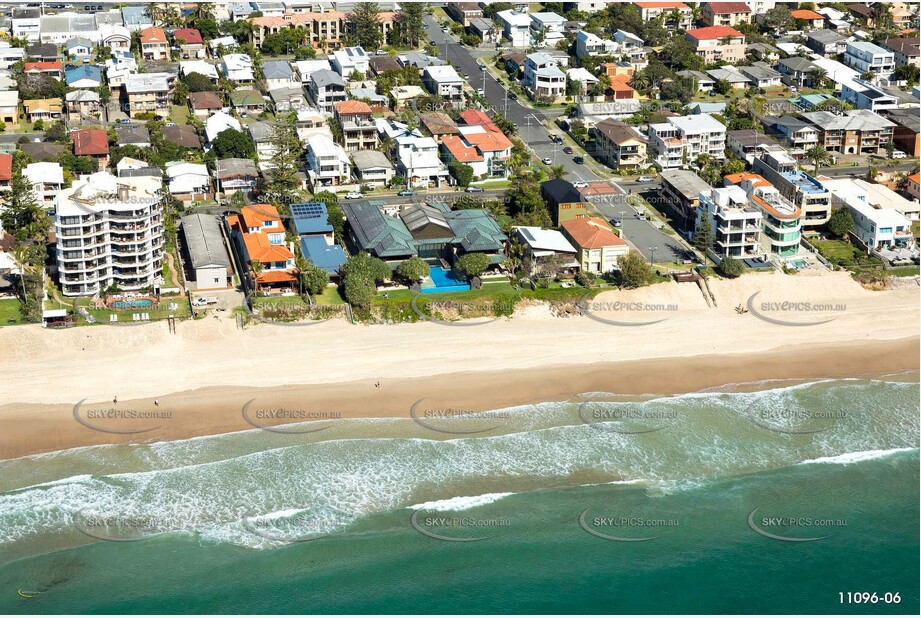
418 216
908 118
277 69
204 241
795 63
227 168
325 77
377 233
367 159
824 36
853 120
132 134
685 182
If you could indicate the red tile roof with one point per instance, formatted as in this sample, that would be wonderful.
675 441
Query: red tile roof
713 32
205 100
806 14
90 142
254 216
915 178
592 233
459 150
153 35
190 35
727 8
352 107
43 66
6 167
757 179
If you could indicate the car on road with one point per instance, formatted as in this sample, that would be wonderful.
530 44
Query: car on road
170 124
615 222
124 121
475 189
406 193
353 195
547 161
444 29
645 179
479 91
578 160
381 52
642 216
513 96
898 154
204 301
580 184
568 150
466 75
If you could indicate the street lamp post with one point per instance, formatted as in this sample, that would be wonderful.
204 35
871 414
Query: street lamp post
652 257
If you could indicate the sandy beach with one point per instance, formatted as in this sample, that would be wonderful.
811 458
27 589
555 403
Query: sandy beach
203 375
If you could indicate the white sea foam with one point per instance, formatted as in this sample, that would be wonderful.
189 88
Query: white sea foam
849 458
460 503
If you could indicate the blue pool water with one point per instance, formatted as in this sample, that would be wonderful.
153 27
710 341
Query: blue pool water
131 304
444 281
798 264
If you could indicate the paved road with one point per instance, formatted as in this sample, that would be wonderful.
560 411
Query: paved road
859 172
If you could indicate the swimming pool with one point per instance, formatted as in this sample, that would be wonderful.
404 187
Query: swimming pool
134 303
797 264
444 281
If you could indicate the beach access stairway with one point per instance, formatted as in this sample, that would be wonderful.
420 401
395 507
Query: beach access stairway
695 277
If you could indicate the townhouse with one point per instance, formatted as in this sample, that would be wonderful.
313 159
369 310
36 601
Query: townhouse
674 15
109 232
258 236
443 81
681 138
618 145
326 88
154 45
148 93
589 44
856 131
327 163
715 43
358 131
749 145
725 13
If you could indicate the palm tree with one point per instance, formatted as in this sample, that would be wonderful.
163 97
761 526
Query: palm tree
557 172
818 156
819 77
21 258
300 265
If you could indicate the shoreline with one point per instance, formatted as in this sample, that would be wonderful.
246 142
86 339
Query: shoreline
31 429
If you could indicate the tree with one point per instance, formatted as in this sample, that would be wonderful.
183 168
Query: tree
818 156
336 216
526 204
558 171
723 86
819 77
288 149
778 19
906 72
358 291
841 222
703 237
21 215
472 264
313 279
730 267
413 269
366 25
231 143
634 270
733 166
461 172
364 266
410 24
196 82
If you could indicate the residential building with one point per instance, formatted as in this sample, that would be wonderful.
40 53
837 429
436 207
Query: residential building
485 29
279 74
865 96
42 151
133 135
187 67
327 163
812 19
92 143
681 190
444 81
261 133
906 50
799 134
45 110
136 18
203 104
588 44
730 74
148 93
357 124
463 12
288 99
47 52
479 144
115 37
62 27
761 76
418 162
782 220
82 105
674 15
681 138
565 202
543 77
715 43
9 108
348 60
516 27
540 244
247 101
725 13
913 186
780 169
205 252
326 89
598 248
826 43
878 222
188 181
238 68
618 145
906 132
736 223
865 57
856 131
47 179
154 45
191 44
84 76
311 122
749 145
6 175
315 234
109 232
796 71
705 83
182 135
323 29
764 51
372 168
232 175
306 68
52 68
26 23
258 236
128 167
79 48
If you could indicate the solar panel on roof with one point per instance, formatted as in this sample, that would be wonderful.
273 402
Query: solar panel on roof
527 235
306 210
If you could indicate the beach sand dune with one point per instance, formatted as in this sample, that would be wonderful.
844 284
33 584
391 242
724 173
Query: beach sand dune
210 363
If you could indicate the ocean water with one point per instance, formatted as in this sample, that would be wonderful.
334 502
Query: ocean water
603 504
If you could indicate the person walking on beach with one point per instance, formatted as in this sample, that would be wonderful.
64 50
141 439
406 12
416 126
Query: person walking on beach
115 399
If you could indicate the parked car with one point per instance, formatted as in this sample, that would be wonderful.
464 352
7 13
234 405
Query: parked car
578 160
170 124
641 215
381 52
580 184
479 91
645 179
615 222
547 161
898 154
203 301
512 96
353 195
475 189
406 193
124 121
568 149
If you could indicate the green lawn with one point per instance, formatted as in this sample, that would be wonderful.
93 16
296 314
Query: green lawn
179 114
279 300
9 311
916 229
843 253
330 296
124 315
